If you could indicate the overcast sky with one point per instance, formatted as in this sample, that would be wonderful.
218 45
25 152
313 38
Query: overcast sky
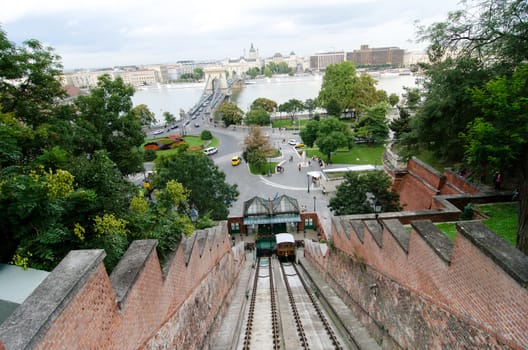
103 33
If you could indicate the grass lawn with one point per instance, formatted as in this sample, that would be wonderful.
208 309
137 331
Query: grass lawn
360 154
502 219
287 123
191 140
263 169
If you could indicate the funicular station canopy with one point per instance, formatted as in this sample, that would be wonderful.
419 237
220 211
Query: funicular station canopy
269 216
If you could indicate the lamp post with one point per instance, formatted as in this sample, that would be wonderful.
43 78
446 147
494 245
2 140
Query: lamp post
193 215
314 203
308 182
377 210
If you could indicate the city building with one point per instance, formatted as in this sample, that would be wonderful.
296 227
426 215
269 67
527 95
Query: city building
381 56
321 60
296 63
241 65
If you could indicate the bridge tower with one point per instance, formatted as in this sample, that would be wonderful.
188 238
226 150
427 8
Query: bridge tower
215 77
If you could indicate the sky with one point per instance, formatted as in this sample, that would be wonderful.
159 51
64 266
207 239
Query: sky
106 33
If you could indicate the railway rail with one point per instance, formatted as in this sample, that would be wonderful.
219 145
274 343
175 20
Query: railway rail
263 327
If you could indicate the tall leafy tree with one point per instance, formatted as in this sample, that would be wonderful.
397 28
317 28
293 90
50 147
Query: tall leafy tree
352 196
143 113
256 147
208 191
372 125
498 139
29 80
265 104
229 113
292 107
107 122
483 49
257 117
331 135
341 85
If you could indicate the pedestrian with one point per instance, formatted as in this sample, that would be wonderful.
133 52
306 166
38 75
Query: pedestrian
498 181
309 163
299 166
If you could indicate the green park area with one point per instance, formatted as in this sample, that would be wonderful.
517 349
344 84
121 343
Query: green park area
169 145
499 217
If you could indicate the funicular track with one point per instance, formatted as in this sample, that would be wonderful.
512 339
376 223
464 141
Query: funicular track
263 324
275 329
313 303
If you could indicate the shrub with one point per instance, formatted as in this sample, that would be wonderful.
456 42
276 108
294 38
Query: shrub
206 135
149 155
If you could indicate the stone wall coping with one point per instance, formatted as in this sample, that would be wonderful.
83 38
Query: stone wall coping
435 238
359 228
188 246
398 232
510 259
31 319
375 229
130 267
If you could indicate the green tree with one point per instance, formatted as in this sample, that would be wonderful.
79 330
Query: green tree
310 106
309 132
198 73
257 117
485 44
253 72
208 191
447 107
265 104
498 139
229 113
256 147
400 126
106 119
358 191
394 99
292 107
342 85
145 116
372 125
169 118
332 134
267 72
36 70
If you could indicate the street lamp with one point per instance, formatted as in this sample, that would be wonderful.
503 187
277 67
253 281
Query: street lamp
308 182
377 210
193 215
314 204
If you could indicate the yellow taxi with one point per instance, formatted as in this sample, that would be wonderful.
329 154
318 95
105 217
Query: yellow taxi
235 160
299 145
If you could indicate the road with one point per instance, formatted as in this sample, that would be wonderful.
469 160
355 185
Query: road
292 182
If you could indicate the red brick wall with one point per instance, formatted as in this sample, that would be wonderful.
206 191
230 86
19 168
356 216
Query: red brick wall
191 294
88 321
421 300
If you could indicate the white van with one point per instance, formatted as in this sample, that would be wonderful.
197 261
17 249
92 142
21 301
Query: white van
210 150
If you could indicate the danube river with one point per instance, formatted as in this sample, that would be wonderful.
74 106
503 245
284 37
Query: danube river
173 97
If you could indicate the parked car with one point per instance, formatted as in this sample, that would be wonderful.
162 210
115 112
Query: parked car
292 142
235 160
210 150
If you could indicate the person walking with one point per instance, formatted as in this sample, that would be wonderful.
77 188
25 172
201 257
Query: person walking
299 167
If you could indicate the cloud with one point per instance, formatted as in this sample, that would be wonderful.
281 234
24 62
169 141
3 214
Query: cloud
102 31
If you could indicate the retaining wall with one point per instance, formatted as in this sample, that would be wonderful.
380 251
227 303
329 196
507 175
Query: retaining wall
78 306
420 290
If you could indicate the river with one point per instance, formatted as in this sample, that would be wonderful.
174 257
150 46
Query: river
173 97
